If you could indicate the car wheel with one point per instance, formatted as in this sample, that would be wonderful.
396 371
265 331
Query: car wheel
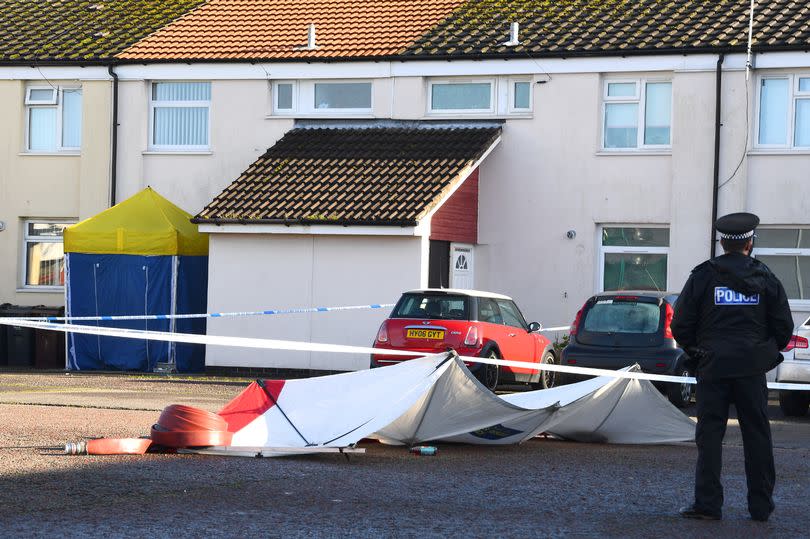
680 394
548 379
488 374
793 403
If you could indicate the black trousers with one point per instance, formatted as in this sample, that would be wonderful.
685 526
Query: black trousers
750 396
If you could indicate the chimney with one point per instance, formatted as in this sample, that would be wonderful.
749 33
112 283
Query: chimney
514 35
311 45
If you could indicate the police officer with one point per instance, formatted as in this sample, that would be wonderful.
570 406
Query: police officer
733 318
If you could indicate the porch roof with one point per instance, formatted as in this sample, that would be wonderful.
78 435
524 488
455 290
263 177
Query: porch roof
382 176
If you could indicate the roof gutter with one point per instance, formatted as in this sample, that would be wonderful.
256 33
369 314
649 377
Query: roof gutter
298 222
511 55
114 144
716 182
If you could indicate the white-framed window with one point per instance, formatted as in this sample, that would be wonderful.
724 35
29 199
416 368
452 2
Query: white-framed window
783 119
633 257
468 96
53 118
497 96
179 116
43 257
786 251
636 114
323 97
285 97
520 96
342 96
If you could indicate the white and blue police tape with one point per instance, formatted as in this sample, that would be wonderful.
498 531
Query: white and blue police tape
300 346
266 312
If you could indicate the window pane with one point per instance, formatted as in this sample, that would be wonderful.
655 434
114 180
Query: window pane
522 100
181 126
773 105
45 264
42 129
45 94
488 311
802 129
621 125
658 113
777 238
343 95
285 96
46 230
72 118
511 316
793 271
461 96
436 307
804 84
635 237
623 317
621 89
630 271
181 91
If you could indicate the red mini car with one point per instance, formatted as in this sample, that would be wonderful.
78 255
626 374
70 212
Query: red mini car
472 323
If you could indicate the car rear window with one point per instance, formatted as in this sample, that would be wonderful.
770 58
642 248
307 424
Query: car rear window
433 307
611 316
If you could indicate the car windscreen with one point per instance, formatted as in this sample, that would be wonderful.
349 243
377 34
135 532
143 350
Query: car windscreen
621 321
433 307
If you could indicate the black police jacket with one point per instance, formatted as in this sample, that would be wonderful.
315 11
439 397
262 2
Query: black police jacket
733 317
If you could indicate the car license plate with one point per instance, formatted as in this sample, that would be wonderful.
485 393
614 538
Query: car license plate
429 334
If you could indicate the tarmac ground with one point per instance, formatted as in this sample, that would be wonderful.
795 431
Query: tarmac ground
544 487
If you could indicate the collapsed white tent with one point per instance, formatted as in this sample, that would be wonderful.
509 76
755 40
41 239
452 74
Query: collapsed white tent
329 411
436 398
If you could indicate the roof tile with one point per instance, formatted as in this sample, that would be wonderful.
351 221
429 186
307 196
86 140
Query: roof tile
571 27
377 176
276 29
80 30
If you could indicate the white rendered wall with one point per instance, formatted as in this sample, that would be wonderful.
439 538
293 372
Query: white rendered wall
240 133
262 271
48 186
547 176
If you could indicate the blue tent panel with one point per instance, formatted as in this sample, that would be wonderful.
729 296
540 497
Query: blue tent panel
118 285
192 297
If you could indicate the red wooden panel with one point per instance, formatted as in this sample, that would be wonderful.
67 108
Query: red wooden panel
457 219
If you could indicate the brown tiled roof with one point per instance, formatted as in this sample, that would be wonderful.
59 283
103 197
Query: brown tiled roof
374 176
80 30
610 27
277 29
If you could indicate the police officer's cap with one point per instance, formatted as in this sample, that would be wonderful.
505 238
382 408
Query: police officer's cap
737 226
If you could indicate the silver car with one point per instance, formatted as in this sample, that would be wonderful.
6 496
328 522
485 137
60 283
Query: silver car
795 369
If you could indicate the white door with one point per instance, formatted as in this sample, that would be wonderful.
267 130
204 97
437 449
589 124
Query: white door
461 265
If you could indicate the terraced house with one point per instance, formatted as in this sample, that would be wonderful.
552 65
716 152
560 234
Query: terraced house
56 143
339 152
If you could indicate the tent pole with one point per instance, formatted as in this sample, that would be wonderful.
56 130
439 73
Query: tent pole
67 308
173 321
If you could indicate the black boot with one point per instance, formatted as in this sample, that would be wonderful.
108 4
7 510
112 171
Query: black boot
698 514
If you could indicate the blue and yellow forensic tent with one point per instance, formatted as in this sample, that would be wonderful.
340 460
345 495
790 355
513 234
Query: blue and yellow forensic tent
140 257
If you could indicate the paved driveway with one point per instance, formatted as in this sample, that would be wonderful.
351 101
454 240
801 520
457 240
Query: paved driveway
540 488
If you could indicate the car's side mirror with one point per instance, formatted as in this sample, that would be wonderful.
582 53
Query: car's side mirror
535 326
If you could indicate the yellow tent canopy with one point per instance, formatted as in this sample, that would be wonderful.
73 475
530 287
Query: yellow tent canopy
144 224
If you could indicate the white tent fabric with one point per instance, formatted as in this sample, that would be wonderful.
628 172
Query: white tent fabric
603 409
331 411
623 412
436 398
